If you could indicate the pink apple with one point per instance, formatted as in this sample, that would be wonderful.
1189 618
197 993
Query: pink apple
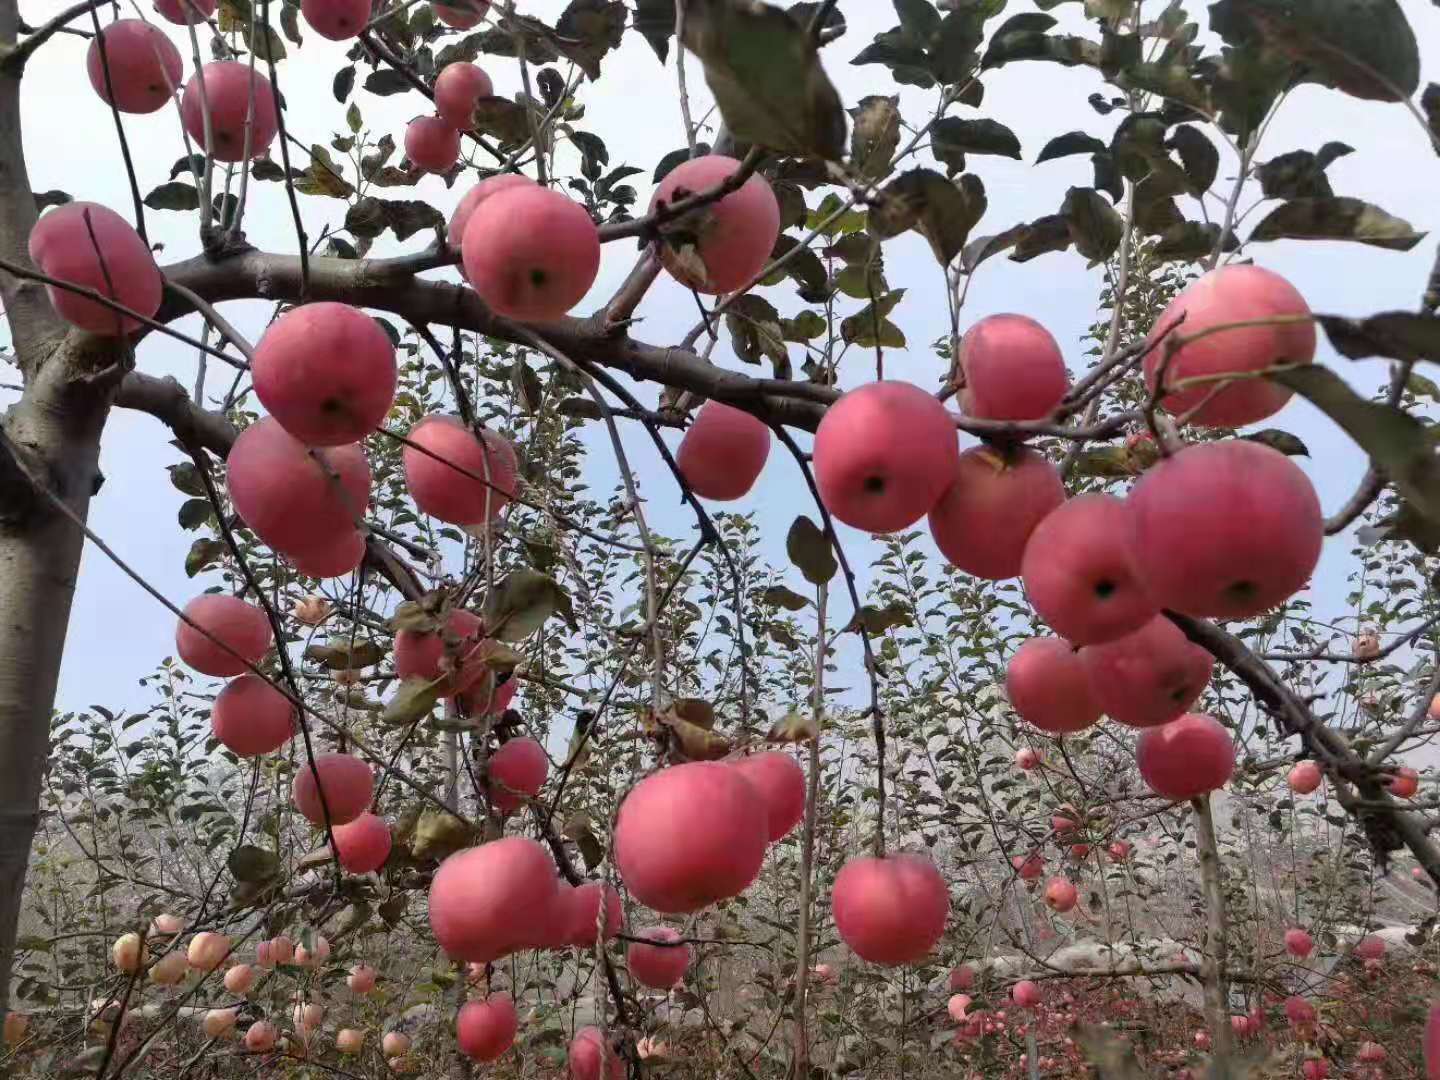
484 899
144 66
457 88
723 452
957 1005
982 523
349 1040
1080 571
261 1037
1026 994
1371 1053
326 372
363 845
531 253
690 835
581 916
780 782
1298 943
1299 1011
1228 295
890 910
219 1022
461 14
1404 783
1060 895
1046 683
485 698
424 654
242 627
296 500
730 241
591 1057
462 479
395 1044
517 771
347 782
339 555
361 979
208 950
1226 530
1013 369
1186 758
235 98
1149 677
250 716
884 454
181 12
91 246
1315 1068
338 20
432 144
129 953
1027 759
1028 867
485 1029
455 231
1305 777
1119 851
239 978
659 967
1370 947
313 955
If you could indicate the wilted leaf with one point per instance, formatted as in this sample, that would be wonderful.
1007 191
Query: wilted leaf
522 602
877 620
1110 462
794 727
1072 142
780 596
810 552
1190 241
1040 237
343 83
582 408
655 19
871 326
1396 335
338 655
414 616
975 137
875 134
1283 441
581 830
414 700
1300 174
369 217
755 331
941 211
767 78
1198 156
526 384
507 120
1095 226
253 864
323 176
806 326
694 742
1337 219
439 834
204 553
587 30
1430 102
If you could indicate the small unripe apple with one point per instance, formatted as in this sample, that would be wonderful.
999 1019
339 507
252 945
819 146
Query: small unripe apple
218 1022
1060 895
129 953
1305 777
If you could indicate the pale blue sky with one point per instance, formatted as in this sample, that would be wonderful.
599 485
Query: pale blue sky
117 634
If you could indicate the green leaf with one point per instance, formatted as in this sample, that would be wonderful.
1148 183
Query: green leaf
204 553
1398 443
1108 462
918 19
1198 155
655 19
253 864
344 83
265 43
862 282
877 620
1430 102
755 330
507 120
384 82
941 211
810 552
806 326
875 133
1189 241
413 701
194 513
780 596
1286 443
587 30
975 137
1172 81
186 478
1396 335
870 326
526 384
1365 48
982 247
1337 219
175 195
1072 142
353 119
520 604
1095 226
766 76
1300 174
1023 37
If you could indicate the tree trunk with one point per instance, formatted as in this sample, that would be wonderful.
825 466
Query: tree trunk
54 430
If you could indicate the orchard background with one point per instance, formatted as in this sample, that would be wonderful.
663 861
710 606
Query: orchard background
169 907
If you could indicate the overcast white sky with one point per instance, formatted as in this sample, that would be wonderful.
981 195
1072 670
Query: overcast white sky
117 634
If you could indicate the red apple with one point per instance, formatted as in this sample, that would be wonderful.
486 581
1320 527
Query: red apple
1299 1011
455 231
144 66
1028 867
1026 994
689 836
730 241
326 372
1228 295
723 452
485 1029
1045 681
962 977
296 500
181 12
450 481
1305 777
422 654
884 454
338 20
1404 783
243 628
1226 530
363 845
485 900
1060 895
1080 571
1298 943
261 1037
957 1005
890 910
432 144
982 523
1315 1068
457 88
1119 851
361 979
780 782
591 1057
582 914
338 556
1186 758
348 784
1013 369
1149 677
1370 947
235 98
531 253
659 967
91 246
250 717
461 14
1371 1053
517 771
